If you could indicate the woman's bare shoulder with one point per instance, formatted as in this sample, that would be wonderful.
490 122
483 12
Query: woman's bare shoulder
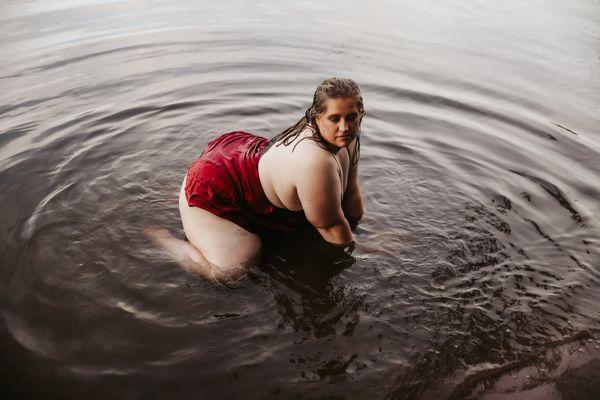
307 151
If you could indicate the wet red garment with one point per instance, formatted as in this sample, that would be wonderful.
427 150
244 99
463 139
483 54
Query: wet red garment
224 181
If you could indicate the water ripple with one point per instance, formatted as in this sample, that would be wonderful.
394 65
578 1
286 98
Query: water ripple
478 170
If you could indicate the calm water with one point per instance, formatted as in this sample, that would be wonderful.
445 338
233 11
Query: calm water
480 172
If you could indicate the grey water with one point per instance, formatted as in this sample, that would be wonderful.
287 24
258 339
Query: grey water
480 171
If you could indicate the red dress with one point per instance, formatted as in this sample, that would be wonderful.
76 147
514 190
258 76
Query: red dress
224 181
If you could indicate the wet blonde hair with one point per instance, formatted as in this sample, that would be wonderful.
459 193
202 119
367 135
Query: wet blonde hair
332 88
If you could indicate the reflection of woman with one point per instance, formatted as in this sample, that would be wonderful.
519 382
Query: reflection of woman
243 185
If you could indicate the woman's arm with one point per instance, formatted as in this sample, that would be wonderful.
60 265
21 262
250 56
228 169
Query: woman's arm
338 234
320 192
352 204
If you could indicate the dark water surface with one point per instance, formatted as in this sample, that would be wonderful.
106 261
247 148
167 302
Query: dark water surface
480 171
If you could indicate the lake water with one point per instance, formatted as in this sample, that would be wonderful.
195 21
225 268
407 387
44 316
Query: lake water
480 171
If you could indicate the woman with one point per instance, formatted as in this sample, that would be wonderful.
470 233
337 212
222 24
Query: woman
243 185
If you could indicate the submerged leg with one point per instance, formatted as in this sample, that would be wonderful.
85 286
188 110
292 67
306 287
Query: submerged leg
186 255
218 249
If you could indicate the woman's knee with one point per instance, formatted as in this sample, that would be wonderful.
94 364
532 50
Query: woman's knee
243 252
228 267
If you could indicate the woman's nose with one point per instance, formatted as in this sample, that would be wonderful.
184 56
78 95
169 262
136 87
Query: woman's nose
343 126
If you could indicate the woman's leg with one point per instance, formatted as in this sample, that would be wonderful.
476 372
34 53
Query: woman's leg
218 249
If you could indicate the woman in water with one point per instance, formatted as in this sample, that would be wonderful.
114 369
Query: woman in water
244 185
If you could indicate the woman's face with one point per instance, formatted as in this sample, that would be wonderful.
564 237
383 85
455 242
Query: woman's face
339 122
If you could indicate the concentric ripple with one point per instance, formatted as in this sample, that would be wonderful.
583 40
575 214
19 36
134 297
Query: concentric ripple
478 167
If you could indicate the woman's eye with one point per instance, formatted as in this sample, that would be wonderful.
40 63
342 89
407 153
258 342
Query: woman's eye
334 119
351 118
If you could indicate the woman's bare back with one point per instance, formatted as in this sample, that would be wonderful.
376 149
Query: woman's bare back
281 167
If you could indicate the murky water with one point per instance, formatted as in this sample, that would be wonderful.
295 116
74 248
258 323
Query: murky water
480 171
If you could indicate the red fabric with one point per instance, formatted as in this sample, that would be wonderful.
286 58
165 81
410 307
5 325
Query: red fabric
224 181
